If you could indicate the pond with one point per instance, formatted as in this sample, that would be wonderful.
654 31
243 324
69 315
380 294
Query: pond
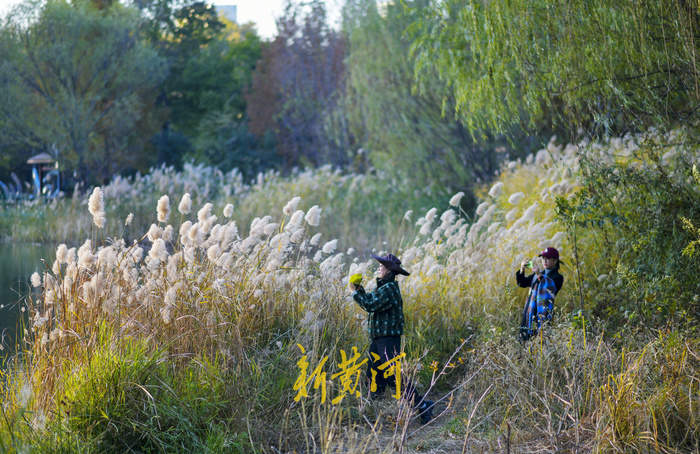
17 263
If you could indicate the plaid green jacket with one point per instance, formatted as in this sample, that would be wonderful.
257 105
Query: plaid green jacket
385 308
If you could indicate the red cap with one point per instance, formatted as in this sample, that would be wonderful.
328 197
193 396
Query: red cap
550 253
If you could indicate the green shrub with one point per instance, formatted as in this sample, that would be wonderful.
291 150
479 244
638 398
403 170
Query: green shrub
125 397
636 205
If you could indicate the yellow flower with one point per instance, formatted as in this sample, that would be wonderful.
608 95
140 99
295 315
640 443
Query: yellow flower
356 279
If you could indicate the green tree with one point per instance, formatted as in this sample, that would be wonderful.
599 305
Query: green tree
198 69
645 206
224 141
607 67
408 129
211 61
222 138
77 77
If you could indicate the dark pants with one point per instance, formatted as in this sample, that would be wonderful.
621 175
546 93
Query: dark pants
388 348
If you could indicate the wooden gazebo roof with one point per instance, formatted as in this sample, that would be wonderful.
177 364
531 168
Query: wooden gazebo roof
41 158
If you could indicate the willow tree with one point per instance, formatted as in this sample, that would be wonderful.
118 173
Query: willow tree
405 126
604 66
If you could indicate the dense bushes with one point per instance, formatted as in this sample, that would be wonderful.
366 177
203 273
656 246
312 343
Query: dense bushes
637 200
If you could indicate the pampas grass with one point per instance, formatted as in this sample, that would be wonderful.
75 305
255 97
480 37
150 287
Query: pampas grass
188 341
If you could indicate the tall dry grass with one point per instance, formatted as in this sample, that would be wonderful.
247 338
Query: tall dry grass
186 339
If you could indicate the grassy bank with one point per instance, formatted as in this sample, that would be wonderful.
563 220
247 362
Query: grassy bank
192 339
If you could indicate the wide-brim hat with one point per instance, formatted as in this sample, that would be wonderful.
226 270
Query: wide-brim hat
392 263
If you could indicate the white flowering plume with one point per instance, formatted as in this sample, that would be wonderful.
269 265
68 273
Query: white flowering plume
313 216
185 205
149 287
291 206
36 279
456 199
198 276
96 207
163 208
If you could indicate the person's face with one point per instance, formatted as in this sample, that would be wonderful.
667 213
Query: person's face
549 263
383 271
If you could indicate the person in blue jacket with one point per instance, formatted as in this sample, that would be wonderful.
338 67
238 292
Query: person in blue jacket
544 285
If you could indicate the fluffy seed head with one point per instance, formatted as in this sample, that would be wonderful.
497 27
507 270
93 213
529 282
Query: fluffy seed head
96 201
228 210
270 228
168 233
106 257
496 189
163 208
330 247
185 205
297 236
100 219
158 251
515 199
71 256
154 233
291 206
481 209
313 216
85 257
62 253
430 215
184 228
454 201
529 214
96 207
448 217
296 219
204 213
213 252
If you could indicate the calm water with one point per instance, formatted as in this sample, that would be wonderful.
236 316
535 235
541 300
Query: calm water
17 263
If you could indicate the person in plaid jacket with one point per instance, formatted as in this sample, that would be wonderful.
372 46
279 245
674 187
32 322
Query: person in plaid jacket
385 326
544 285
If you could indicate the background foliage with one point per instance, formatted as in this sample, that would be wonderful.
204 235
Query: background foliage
607 67
295 87
638 204
79 78
118 89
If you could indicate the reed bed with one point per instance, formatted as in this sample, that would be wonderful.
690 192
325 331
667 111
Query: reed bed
188 335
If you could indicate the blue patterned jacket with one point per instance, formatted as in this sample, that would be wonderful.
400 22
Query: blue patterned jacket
539 304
